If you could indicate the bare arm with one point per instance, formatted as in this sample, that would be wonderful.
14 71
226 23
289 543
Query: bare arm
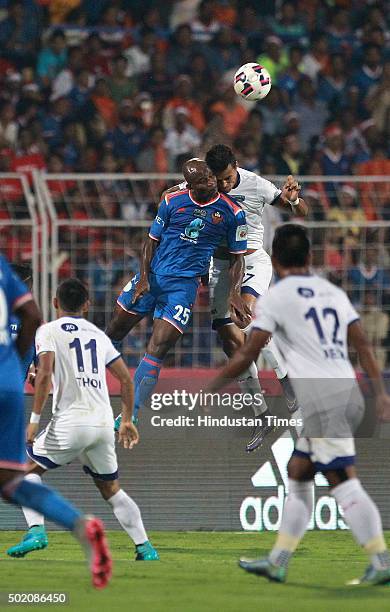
239 310
128 434
148 250
241 360
42 390
30 319
358 339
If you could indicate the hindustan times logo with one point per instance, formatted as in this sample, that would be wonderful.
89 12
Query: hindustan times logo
258 513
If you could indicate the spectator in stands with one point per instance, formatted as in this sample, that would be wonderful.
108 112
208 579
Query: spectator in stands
65 80
288 80
102 103
139 56
183 97
347 211
157 82
19 33
339 32
120 84
371 71
376 325
275 57
332 86
205 26
182 139
316 60
233 112
53 121
311 111
375 197
52 59
334 160
289 160
96 58
154 155
128 137
248 154
8 125
181 50
224 51
273 111
369 275
289 26
378 101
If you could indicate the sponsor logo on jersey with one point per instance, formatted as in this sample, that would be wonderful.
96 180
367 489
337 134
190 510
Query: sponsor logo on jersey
241 232
216 217
199 212
239 198
306 292
193 230
69 327
265 513
159 220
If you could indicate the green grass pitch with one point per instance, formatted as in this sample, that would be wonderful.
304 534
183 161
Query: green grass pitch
198 573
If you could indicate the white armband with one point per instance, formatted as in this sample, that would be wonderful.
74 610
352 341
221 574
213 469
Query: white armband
35 418
294 203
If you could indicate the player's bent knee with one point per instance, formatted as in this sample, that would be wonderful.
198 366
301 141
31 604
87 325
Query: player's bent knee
336 477
107 488
300 468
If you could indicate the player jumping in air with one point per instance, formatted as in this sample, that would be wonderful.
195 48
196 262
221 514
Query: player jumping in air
16 298
75 353
189 226
253 193
314 322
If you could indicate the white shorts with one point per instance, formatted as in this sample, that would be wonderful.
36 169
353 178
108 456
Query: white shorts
327 453
61 443
257 278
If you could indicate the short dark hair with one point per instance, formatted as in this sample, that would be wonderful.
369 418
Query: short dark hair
219 157
24 271
291 245
72 295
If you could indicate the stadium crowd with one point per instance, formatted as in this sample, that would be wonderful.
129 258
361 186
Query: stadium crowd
122 85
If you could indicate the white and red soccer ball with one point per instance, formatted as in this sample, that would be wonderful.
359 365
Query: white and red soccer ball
252 81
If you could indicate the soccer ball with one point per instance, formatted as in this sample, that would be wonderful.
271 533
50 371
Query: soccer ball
252 81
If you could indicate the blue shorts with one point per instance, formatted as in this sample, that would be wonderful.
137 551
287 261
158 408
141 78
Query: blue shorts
169 298
12 431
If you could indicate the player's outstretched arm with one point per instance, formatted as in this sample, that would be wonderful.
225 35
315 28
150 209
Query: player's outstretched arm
128 433
30 319
289 198
42 390
358 339
239 311
241 360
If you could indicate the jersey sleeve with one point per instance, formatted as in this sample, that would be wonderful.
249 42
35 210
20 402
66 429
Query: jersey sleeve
160 221
351 314
111 353
183 185
264 315
44 341
237 233
17 292
267 191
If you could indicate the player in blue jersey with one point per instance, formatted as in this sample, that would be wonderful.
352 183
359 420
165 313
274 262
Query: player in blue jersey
16 298
25 274
188 228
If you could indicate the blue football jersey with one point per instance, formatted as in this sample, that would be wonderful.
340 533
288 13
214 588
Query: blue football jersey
13 293
189 233
29 357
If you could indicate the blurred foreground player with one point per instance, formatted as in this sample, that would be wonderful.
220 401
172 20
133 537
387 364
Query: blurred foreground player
15 297
25 274
314 322
75 353
189 226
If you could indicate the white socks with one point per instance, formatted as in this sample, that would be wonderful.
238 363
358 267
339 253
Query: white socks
297 512
249 383
32 517
274 359
129 516
363 518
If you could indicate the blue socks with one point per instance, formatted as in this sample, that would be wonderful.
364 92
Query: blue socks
43 500
145 380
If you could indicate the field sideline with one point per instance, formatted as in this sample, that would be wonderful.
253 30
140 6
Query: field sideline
198 572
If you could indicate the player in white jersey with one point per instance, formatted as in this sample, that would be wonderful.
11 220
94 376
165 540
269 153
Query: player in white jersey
253 193
74 354
313 322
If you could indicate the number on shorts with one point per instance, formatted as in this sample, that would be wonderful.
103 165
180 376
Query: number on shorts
90 346
182 314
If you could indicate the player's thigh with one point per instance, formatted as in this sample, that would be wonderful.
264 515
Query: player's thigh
57 445
219 293
12 431
300 467
257 275
334 457
99 458
175 302
232 338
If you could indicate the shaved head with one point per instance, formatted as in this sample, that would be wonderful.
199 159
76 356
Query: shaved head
200 179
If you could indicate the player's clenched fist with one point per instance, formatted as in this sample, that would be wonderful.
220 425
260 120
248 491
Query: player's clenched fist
141 288
291 188
128 434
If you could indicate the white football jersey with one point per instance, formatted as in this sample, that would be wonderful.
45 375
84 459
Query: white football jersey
252 193
309 317
82 353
